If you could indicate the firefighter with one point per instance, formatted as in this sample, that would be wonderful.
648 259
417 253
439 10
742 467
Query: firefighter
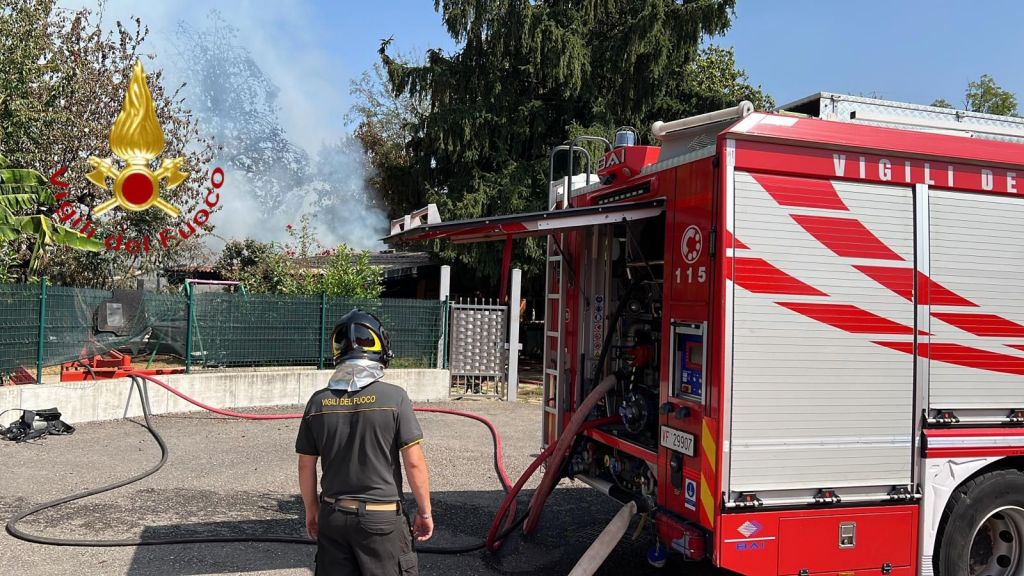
358 425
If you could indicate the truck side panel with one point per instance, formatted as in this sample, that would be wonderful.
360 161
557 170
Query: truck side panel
977 305
815 403
828 541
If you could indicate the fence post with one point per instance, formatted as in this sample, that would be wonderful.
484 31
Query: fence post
513 336
445 293
189 312
323 328
42 331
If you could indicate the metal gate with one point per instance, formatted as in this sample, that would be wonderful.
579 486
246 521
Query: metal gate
478 356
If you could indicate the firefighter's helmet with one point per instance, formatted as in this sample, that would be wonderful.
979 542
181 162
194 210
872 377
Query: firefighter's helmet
360 335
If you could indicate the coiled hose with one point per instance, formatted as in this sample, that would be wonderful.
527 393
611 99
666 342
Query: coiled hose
138 381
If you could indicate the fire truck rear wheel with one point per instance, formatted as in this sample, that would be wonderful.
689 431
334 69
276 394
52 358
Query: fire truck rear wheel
983 527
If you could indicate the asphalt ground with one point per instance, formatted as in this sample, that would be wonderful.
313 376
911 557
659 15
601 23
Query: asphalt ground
238 477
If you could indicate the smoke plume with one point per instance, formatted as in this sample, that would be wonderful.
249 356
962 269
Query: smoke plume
272 178
273 102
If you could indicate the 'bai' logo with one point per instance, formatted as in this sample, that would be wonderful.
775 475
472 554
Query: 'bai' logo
750 528
137 140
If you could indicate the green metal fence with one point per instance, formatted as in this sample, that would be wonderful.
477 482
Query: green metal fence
44 325
19 326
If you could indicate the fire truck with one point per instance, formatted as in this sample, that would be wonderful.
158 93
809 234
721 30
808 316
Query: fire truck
815 319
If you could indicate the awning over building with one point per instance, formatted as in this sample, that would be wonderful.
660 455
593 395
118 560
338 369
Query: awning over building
531 224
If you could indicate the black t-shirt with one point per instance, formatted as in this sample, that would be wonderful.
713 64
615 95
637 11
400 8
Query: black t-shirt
358 436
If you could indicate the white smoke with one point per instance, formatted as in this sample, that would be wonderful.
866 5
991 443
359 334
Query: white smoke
341 209
321 171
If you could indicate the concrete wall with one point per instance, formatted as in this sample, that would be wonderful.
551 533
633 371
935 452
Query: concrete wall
113 399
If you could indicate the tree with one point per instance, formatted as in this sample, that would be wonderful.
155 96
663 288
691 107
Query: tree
62 83
340 271
301 266
7 263
346 273
711 81
385 123
984 95
240 255
527 75
26 191
259 266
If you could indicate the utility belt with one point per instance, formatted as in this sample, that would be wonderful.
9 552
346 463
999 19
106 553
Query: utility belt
359 506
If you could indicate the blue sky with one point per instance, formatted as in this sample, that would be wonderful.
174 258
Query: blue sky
909 50
913 50
312 49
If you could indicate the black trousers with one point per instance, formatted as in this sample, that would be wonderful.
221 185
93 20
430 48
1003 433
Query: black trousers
364 543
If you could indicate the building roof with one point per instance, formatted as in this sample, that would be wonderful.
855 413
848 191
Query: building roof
394 264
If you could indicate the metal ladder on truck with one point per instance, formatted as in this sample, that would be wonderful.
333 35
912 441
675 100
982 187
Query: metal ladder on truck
553 400
554 335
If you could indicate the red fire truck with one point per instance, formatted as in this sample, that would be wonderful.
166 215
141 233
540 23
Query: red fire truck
816 317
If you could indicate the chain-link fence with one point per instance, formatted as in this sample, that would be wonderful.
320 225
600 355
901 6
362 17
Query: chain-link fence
44 325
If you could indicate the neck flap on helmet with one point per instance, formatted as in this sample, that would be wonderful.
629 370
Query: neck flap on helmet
352 375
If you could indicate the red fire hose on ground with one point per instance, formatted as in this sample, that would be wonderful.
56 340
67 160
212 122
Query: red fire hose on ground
506 513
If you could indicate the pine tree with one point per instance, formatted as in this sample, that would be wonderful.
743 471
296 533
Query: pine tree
529 75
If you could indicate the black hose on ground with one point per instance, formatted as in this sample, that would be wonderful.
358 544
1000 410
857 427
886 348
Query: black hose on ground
452 550
13 530
12 524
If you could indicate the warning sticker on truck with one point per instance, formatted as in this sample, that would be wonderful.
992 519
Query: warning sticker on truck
690 498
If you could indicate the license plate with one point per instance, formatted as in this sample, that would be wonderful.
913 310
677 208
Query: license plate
677 440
